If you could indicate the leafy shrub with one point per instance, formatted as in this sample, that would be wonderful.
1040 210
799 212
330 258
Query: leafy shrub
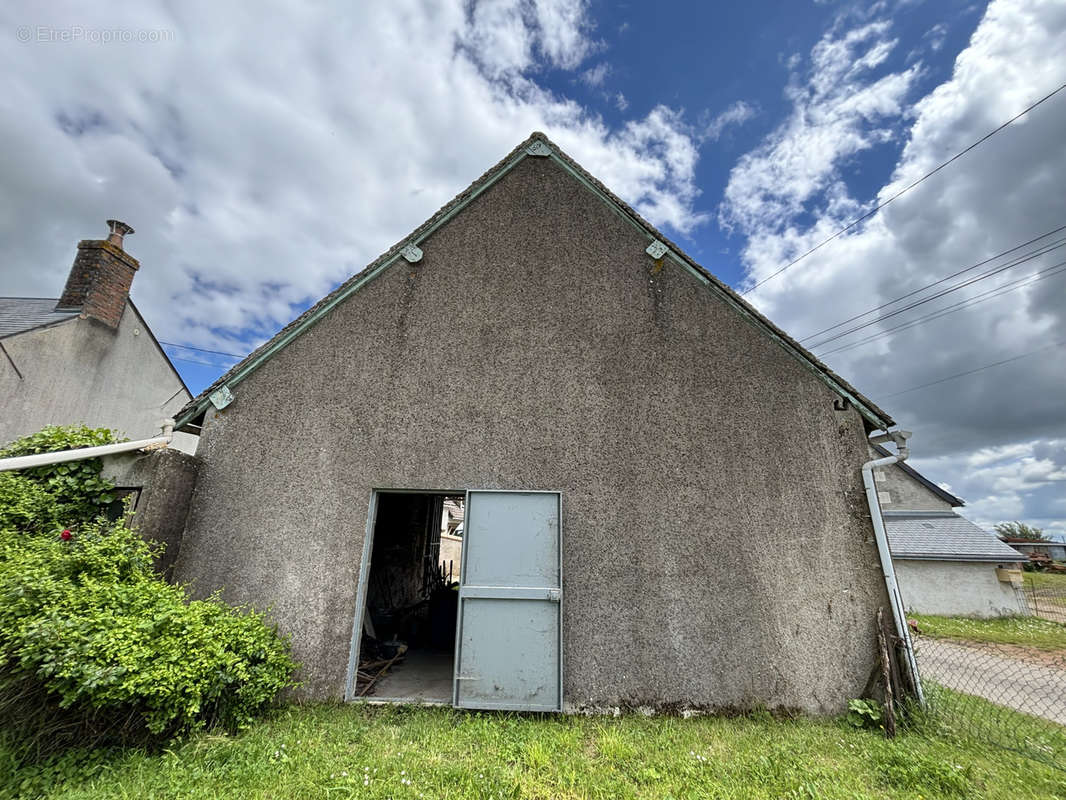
80 493
26 506
95 647
94 644
864 713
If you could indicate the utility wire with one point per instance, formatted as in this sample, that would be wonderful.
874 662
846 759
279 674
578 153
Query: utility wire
200 349
978 369
968 282
931 285
193 361
991 294
905 189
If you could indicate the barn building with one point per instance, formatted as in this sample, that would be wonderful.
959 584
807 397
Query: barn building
662 497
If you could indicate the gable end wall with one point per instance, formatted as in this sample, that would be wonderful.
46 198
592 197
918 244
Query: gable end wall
898 491
82 371
717 549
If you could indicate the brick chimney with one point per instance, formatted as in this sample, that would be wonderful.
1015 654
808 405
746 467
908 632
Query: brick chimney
100 279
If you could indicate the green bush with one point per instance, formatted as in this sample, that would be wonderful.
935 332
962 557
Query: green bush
80 493
93 644
26 506
864 713
95 647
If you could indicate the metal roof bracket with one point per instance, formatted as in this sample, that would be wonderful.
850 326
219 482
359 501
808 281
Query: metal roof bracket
657 249
221 397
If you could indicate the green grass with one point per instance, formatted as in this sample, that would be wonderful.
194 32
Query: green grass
1046 580
1026 631
355 752
962 715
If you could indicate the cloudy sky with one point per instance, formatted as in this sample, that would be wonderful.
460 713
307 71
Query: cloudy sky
265 155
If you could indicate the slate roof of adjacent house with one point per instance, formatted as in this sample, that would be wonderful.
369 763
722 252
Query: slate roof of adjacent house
943 494
943 536
21 314
537 145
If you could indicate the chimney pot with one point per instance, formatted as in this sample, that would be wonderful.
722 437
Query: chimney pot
118 230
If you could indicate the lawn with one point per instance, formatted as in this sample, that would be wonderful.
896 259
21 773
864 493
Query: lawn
1025 631
388 752
1046 580
1050 587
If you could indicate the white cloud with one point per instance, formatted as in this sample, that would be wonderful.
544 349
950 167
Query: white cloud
264 158
596 75
564 31
507 37
990 455
1010 189
736 114
837 112
936 36
1021 480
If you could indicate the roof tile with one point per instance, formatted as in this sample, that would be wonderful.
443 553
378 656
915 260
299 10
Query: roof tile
943 536
21 314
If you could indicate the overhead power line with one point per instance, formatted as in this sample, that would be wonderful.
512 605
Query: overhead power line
1020 283
978 369
961 285
904 190
194 361
201 350
931 285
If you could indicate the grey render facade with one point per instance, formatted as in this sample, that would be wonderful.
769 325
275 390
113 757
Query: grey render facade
673 421
86 357
944 563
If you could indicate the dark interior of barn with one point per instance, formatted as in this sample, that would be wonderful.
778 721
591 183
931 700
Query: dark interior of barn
407 650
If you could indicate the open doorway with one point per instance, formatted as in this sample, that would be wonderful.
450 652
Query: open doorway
407 643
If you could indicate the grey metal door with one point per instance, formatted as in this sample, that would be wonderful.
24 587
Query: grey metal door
508 650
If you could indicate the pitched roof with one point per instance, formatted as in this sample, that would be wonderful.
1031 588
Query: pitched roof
537 145
21 314
943 536
943 494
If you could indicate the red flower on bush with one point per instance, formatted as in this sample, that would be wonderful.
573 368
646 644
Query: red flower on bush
65 535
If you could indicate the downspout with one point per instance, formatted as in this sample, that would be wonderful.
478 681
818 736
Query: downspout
81 453
895 599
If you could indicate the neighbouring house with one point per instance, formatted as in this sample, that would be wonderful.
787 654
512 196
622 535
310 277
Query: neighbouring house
451 538
87 356
1056 551
663 504
451 521
944 563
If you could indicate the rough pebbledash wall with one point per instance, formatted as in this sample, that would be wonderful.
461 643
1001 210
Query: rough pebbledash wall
716 544
164 479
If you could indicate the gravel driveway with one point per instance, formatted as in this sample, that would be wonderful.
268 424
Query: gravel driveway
1034 689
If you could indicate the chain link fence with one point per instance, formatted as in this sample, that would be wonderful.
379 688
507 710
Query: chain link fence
1008 695
1045 600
